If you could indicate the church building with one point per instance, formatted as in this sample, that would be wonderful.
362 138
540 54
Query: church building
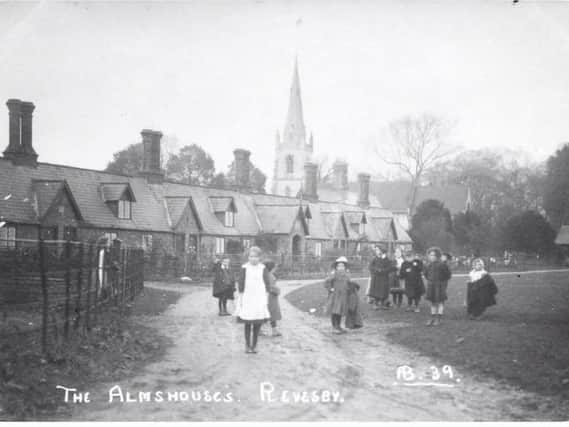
293 151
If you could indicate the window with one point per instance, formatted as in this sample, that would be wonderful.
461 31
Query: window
287 191
124 209
358 248
147 242
8 236
110 236
229 218
289 164
219 245
318 249
246 243
70 233
362 228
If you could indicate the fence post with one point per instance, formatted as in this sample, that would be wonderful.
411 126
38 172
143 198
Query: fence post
79 286
67 288
43 273
89 284
97 285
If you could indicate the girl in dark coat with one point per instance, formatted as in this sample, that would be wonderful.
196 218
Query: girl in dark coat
437 274
223 285
411 273
481 290
380 269
343 299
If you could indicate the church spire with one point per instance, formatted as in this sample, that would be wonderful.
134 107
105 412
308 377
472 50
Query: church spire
294 130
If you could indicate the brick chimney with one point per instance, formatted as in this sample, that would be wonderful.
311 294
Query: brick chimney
340 175
20 149
311 181
363 198
27 109
242 168
151 156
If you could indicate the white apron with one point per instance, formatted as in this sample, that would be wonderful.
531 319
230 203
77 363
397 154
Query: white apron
254 302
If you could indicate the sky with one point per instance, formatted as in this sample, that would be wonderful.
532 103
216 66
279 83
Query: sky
218 73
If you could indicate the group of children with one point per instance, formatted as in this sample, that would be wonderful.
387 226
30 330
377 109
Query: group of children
258 302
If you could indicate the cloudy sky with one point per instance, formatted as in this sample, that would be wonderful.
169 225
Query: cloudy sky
218 73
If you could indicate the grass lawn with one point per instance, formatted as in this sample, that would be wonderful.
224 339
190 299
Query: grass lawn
524 340
114 350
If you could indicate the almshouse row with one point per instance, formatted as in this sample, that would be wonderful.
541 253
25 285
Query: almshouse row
57 202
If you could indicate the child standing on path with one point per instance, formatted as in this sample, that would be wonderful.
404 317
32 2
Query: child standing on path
396 287
223 285
274 292
481 290
254 286
341 301
437 274
411 273
380 268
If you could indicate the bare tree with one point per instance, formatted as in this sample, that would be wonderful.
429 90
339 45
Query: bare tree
417 144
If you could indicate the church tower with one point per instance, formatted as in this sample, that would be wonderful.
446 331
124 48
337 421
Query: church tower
293 150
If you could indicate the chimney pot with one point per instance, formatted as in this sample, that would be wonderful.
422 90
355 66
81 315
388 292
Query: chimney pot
363 198
311 181
340 172
14 117
20 149
151 156
242 169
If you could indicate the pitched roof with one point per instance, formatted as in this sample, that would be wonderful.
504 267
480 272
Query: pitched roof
246 221
84 186
180 206
113 191
280 219
563 236
394 195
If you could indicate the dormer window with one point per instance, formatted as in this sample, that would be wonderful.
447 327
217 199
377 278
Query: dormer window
119 198
224 209
229 218
125 209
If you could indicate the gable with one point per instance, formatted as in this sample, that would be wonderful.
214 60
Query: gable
53 198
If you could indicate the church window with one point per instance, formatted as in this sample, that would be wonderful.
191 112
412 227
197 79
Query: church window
289 164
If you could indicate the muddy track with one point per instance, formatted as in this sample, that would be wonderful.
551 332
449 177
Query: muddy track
361 366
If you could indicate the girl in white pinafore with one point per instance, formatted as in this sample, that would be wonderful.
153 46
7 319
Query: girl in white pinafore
254 285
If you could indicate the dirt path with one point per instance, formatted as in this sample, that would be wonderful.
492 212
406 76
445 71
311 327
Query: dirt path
209 355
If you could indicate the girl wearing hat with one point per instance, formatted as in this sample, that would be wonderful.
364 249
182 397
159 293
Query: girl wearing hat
481 290
254 286
343 299
437 274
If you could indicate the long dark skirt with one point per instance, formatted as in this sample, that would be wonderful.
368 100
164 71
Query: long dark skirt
436 291
479 296
354 316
